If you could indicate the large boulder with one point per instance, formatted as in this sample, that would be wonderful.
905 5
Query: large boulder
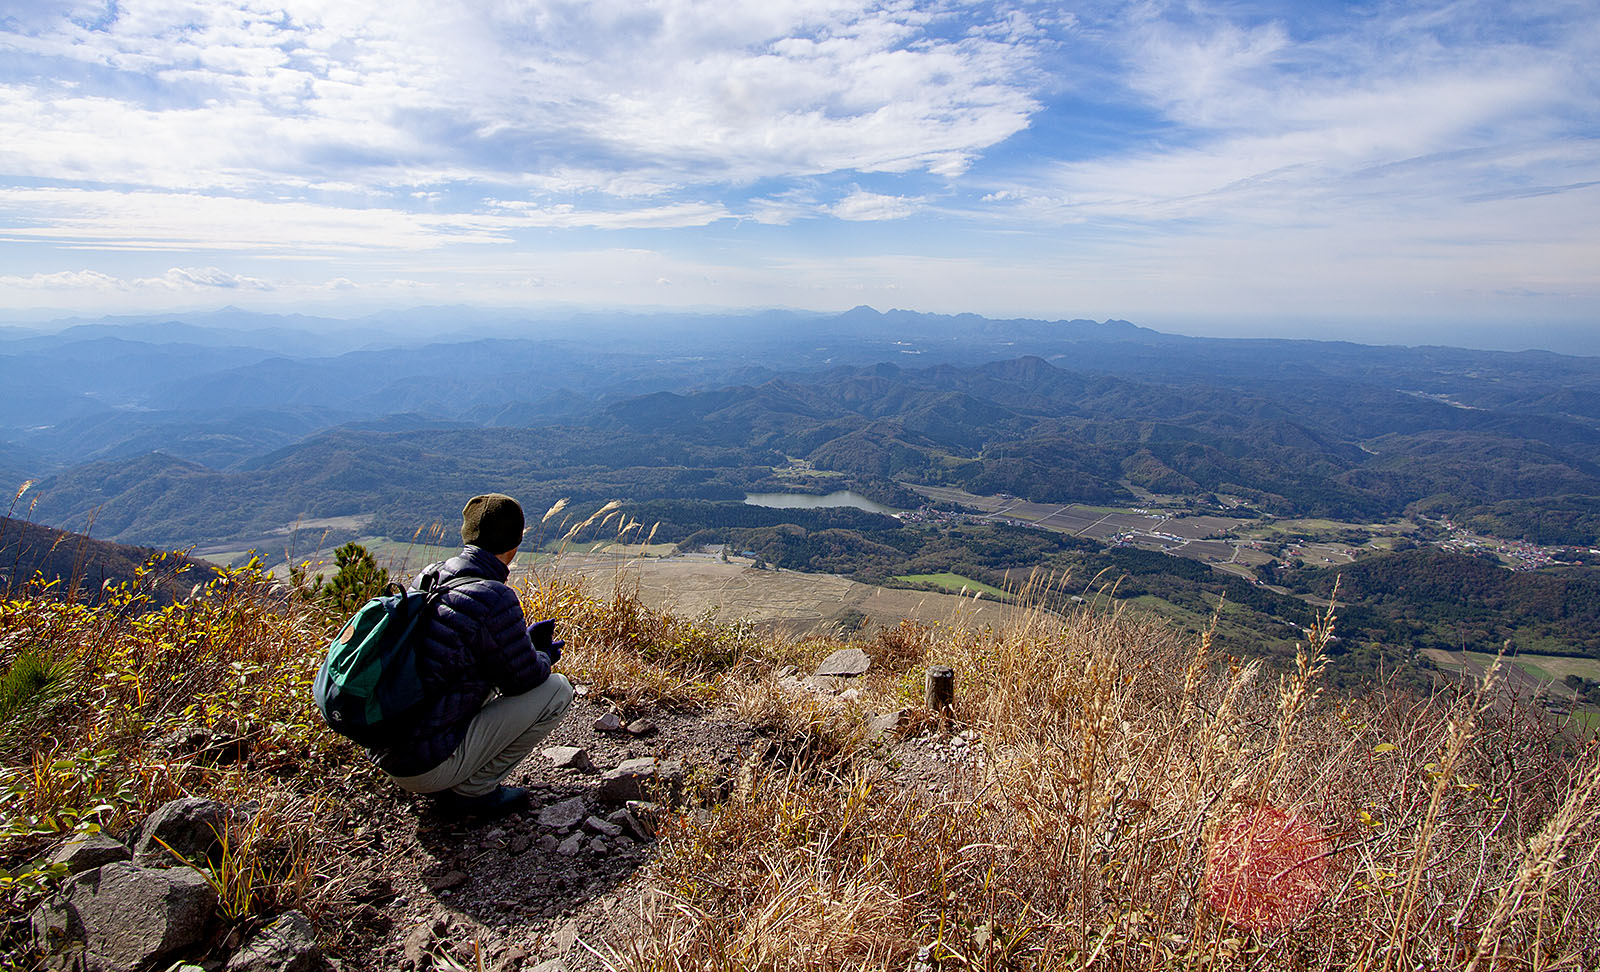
192 827
289 944
124 918
84 852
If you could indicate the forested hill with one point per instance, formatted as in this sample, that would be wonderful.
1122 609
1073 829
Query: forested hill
70 564
1024 426
254 437
1428 598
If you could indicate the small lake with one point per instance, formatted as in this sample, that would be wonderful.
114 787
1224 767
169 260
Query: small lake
810 501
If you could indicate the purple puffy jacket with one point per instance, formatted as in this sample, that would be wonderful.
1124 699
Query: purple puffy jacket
475 643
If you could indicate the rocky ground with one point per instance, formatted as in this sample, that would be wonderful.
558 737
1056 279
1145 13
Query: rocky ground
560 886
546 887
560 882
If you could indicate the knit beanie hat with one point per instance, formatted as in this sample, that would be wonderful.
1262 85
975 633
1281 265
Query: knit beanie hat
493 522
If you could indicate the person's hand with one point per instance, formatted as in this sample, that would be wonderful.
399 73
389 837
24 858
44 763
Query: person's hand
542 634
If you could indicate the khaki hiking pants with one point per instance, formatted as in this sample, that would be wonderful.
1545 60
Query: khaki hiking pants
503 731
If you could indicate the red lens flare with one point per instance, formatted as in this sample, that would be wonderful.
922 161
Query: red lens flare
1266 868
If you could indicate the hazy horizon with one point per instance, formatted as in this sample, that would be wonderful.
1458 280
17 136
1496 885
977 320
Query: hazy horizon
1570 340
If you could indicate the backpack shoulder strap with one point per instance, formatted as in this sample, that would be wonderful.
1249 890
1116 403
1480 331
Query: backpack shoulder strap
428 582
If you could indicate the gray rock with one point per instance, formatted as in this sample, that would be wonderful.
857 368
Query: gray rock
289 944
570 757
416 946
636 779
548 843
883 726
512 959
519 844
610 722
640 727
188 826
446 881
829 684
571 846
125 917
845 662
625 820
647 814
597 846
602 827
560 816
82 852
550 965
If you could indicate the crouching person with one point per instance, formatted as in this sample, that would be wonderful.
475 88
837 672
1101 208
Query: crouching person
489 694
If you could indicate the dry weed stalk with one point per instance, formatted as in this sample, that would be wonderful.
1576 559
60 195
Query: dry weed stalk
1115 753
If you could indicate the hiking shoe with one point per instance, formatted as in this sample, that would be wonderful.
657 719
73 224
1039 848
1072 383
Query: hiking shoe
499 802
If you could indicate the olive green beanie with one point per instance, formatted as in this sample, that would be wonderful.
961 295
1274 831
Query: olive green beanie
493 522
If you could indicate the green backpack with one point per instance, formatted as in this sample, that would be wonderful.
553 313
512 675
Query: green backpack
369 683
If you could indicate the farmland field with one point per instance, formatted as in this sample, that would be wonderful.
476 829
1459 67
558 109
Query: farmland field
1534 667
954 583
794 602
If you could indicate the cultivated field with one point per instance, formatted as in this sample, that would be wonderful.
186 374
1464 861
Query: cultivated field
795 602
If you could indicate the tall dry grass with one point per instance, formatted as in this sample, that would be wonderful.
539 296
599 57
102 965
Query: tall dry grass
1149 802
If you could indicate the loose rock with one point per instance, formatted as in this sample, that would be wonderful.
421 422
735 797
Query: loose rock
571 846
560 816
826 683
372 889
610 722
416 947
883 726
625 820
289 944
845 662
446 881
126 916
188 826
637 778
602 827
82 852
519 844
641 727
570 757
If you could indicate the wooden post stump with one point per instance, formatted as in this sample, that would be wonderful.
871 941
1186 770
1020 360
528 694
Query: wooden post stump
941 693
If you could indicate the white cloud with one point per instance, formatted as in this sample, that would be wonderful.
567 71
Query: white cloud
162 220
600 95
1379 123
863 206
206 278
520 213
177 279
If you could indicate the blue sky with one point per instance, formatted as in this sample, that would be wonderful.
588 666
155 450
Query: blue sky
1296 168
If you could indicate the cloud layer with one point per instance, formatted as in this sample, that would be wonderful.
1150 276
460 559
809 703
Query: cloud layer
1433 159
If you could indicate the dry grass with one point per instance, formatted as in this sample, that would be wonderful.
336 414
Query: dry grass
1128 778
1127 773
